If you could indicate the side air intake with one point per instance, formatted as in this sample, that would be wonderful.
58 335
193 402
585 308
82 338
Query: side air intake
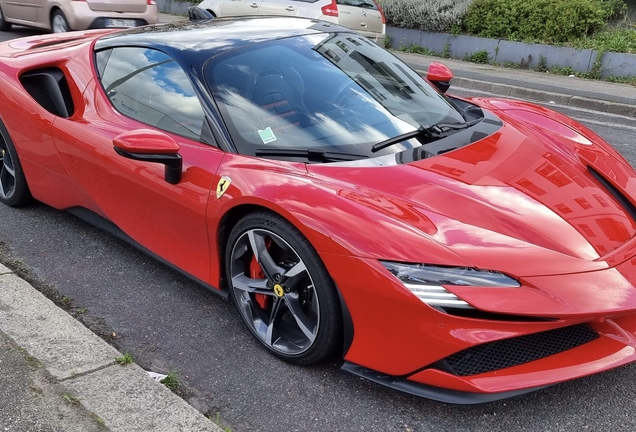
50 89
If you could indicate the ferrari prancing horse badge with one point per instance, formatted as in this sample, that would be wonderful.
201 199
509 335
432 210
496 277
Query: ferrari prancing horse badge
222 186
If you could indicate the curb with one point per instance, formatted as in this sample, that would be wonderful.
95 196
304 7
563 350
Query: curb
126 398
544 96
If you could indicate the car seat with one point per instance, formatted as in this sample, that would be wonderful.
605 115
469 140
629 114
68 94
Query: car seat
281 104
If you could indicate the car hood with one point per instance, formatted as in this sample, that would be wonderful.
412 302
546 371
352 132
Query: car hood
542 195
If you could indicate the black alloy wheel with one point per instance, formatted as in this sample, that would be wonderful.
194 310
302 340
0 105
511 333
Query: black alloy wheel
282 289
14 190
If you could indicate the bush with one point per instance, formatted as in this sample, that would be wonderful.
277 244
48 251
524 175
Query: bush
552 21
426 15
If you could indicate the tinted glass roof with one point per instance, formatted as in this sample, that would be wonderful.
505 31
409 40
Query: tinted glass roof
202 40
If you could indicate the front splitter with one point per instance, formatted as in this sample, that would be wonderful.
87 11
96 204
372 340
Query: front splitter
431 392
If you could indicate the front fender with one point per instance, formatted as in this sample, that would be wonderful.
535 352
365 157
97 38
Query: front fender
332 216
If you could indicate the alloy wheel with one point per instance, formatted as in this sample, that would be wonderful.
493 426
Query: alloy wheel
7 173
274 292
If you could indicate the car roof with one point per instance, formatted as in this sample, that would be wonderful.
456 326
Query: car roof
196 42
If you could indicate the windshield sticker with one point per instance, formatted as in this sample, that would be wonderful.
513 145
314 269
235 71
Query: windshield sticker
267 135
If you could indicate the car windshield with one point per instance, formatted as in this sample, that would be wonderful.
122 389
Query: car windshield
334 92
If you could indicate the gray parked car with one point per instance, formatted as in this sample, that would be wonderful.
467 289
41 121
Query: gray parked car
64 15
364 16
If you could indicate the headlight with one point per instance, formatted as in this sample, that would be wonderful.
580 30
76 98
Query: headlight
425 281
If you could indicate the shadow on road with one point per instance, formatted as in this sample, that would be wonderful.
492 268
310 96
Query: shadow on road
19 31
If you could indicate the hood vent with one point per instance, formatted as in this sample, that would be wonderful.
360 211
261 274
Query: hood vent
615 192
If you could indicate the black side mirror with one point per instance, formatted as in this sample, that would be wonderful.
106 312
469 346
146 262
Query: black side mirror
196 13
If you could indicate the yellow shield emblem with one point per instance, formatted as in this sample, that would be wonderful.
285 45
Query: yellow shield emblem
222 186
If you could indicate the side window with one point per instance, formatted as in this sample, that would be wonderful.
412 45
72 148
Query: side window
149 86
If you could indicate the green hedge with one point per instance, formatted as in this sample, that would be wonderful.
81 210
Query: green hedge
426 15
552 21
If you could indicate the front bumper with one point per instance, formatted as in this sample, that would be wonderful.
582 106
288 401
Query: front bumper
378 38
431 392
401 342
614 347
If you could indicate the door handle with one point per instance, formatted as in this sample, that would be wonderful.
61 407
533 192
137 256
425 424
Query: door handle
254 5
290 8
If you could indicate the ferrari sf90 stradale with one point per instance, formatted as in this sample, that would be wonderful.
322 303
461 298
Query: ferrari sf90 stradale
460 249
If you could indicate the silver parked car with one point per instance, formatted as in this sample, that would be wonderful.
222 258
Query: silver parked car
364 16
64 15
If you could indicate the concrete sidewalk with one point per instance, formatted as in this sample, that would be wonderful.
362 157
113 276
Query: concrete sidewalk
59 376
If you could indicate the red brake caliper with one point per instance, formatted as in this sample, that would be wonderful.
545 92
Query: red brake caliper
256 273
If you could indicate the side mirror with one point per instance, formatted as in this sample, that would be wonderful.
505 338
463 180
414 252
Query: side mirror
196 13
151 146
440 76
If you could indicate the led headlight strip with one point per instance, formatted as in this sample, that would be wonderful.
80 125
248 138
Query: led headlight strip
426 281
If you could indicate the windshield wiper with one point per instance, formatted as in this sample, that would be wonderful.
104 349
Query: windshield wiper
435 131
319 155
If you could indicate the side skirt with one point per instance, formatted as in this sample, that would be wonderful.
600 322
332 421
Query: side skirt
106 225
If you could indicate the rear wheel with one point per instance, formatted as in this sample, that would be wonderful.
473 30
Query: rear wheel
14 190
282 289
4 26
59 23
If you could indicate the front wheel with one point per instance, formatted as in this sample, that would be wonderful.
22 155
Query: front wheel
59 23
282 289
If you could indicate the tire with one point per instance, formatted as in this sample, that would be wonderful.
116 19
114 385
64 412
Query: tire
4 26
14 190
59 24
286 298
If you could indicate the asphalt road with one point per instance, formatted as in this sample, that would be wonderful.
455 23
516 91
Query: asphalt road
169 323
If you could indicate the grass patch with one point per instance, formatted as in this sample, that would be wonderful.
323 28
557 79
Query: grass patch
31 361
172 381
417 49
70 399
481 57
216 419
125 359
100 421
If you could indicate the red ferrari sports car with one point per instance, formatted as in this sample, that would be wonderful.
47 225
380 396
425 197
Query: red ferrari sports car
464 250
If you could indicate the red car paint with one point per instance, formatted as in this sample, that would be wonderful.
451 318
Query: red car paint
520 201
